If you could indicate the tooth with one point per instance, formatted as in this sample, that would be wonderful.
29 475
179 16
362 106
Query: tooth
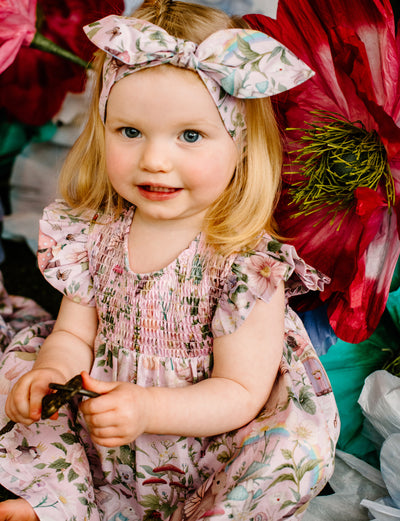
160 189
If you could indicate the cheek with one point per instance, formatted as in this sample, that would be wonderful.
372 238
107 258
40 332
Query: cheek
215 170
115 162
210 180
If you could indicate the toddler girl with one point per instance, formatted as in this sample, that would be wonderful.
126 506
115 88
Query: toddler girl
212 401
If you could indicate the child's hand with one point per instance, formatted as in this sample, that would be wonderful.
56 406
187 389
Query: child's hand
117 417
24 403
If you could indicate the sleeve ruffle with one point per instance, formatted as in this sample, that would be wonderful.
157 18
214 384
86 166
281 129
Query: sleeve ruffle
63 251
256 275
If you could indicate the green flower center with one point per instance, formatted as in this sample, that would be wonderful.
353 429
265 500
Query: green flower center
337 157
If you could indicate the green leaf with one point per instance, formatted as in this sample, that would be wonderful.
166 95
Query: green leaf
149 470
277 50
93 32
101 350
246 50
285 466
284 58
60 446
281 478
150 501
253 470
237 270
127 455
223 457
307 467
308 405
286 453
81 487
287 503
59 464
274 246
68 438
72 475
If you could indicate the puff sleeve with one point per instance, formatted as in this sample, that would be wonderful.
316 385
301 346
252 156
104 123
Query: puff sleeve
256 274
64 237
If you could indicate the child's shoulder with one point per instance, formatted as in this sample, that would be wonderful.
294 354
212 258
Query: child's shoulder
64 225
59 211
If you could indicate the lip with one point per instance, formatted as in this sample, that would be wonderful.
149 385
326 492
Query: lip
158 192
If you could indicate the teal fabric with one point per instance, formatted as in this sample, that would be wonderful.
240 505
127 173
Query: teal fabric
348 365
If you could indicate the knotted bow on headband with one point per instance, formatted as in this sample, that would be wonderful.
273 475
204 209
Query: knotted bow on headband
233 63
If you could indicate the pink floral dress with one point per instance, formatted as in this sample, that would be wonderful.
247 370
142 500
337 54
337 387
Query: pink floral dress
157 329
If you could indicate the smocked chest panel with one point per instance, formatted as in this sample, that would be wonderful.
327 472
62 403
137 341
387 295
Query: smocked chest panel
165 313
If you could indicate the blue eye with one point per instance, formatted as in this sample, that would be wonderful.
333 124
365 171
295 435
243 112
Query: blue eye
130 132
191 136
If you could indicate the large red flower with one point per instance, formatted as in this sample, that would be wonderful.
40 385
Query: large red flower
351 231
34 86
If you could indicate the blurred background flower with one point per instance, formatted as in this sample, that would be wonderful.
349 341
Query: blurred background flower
34 85
43 56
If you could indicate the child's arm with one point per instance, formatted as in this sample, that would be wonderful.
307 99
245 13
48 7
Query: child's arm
67 351
245 367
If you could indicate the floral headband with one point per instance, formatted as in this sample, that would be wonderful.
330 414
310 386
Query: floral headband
234 64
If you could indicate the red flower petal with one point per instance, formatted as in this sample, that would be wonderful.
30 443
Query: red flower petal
352 48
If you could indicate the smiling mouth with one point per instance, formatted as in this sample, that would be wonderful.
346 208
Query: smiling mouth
158 189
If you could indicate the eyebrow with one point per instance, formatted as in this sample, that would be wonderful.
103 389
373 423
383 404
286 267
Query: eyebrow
185 124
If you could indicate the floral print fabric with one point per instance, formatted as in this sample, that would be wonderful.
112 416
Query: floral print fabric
157 329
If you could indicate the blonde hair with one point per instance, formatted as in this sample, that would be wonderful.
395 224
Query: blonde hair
236 220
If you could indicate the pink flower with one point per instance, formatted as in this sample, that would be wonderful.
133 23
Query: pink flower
17 28
351 231
264 274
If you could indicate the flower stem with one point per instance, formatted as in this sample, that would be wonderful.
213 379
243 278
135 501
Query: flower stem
44 44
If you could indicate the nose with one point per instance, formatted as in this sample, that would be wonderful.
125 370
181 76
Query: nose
155 157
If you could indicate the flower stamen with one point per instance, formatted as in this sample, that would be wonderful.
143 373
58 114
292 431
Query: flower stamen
337 157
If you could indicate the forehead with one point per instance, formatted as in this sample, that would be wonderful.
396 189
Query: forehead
161 88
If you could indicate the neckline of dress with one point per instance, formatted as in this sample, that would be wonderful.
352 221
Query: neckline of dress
127 223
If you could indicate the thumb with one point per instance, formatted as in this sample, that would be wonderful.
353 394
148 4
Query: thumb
98 386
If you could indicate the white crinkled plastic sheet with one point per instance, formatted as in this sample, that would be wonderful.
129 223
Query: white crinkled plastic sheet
352 481
380 402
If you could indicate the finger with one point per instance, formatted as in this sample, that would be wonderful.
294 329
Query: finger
37 392
113 441
18 414
101 420
35 407
106 432
98 386
17 404
97 406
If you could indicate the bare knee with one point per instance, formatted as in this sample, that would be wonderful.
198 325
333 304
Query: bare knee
17 510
